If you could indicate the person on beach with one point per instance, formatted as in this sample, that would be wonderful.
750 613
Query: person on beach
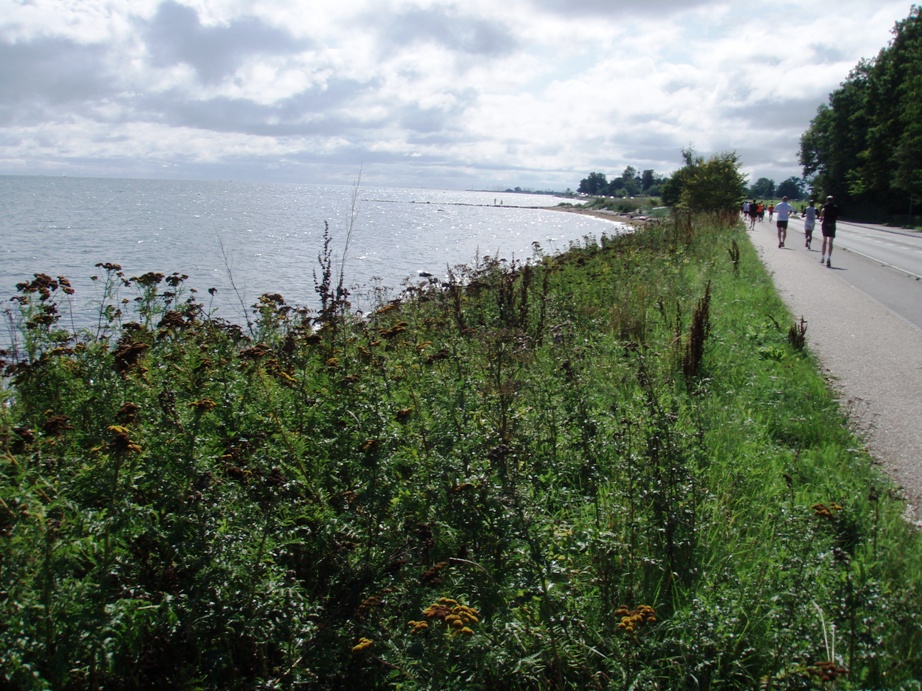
784 211
809 215
828 215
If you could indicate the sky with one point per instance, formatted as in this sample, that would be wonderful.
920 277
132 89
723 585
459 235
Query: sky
475 94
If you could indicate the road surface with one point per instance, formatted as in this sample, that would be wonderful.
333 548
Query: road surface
864 321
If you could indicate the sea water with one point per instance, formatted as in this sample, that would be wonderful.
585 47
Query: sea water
245 239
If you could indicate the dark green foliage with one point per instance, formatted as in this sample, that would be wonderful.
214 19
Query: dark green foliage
604 469
792 188
865 145
763 188
714 186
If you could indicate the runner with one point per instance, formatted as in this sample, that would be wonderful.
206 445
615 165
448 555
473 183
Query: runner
809 223
784 210
828 215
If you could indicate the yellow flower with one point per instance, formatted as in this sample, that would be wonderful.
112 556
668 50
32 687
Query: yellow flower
418 626
457 617
363 644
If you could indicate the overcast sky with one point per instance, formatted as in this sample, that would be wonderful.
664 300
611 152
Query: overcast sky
419 93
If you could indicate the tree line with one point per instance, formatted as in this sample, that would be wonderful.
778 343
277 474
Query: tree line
765 188
865 145
630 183
715 184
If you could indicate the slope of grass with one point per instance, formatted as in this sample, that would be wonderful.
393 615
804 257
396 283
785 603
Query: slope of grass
606 469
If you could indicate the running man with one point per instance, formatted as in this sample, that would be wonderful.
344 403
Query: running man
784 211
828 215
809 223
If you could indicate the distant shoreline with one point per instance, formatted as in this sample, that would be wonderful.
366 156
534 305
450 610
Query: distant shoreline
614 216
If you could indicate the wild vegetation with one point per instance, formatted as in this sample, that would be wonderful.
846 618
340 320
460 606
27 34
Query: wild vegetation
613 468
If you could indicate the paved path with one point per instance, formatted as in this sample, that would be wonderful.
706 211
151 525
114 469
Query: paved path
872 356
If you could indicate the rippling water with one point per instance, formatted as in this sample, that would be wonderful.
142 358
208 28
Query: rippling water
266 237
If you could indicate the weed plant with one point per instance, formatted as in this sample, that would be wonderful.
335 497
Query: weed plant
604 469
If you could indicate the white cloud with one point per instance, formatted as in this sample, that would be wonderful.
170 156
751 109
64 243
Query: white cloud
524 92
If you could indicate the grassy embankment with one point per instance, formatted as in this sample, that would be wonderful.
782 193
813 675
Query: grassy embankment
613 468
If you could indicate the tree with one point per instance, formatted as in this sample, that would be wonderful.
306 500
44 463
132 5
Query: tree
763 189
792 188
865 145
671 192
647 180
630 181
596 183
712 185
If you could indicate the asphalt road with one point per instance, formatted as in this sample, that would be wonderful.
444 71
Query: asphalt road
864 318
884 263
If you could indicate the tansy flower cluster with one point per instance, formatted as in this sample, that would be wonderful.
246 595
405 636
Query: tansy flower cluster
121 439
825 511
418 626
828 671
363 644
632 619
457 617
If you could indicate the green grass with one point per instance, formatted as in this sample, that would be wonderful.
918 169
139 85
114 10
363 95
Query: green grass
605 469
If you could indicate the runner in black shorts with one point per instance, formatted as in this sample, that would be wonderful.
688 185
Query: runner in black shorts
784 210
828 216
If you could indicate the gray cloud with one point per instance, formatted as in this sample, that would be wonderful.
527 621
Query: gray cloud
307 113
788 114
46 75
469 35
610 8
176 35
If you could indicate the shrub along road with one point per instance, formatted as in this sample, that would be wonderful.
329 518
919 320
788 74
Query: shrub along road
872 355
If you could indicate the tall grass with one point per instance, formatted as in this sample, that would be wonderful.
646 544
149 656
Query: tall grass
603 469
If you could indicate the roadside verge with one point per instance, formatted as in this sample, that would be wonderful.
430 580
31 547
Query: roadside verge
872 357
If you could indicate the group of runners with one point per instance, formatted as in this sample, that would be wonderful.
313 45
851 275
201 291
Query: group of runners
827 216
753 210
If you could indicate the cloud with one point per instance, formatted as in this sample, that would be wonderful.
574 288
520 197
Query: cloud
445 27
420 92
624 8
176 35
42 77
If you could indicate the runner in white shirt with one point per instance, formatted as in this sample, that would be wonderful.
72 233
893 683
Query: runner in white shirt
809 223
784 211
